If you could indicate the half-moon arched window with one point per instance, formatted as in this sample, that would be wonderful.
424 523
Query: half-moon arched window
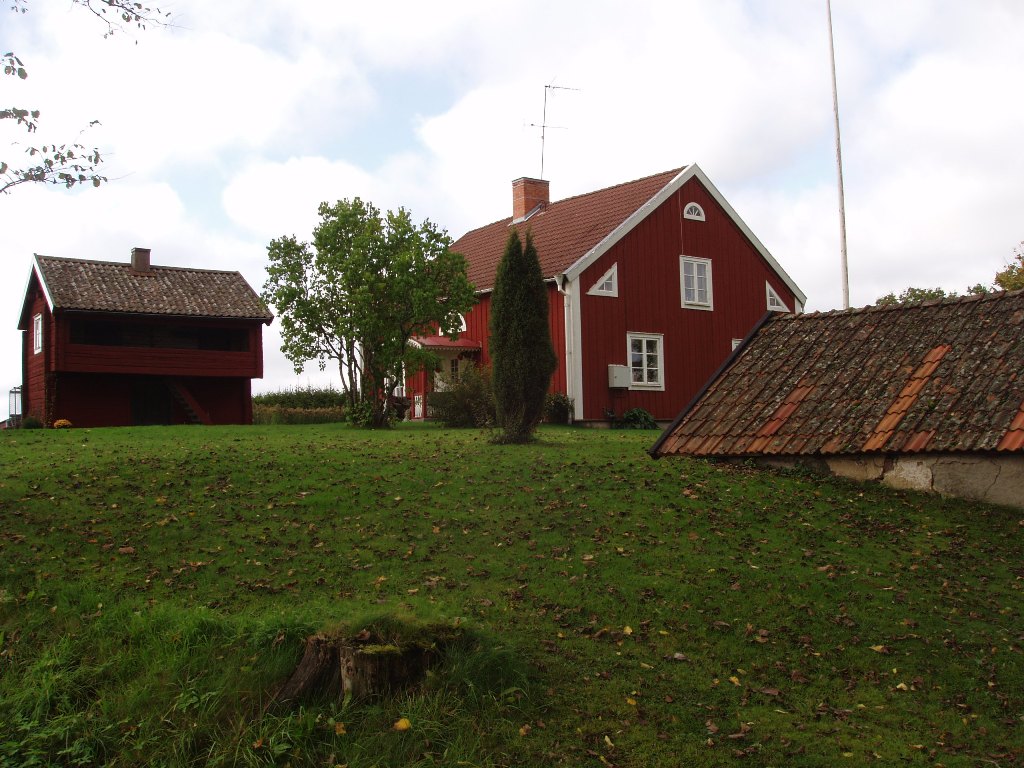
693 211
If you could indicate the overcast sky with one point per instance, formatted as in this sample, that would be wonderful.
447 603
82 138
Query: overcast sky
228 128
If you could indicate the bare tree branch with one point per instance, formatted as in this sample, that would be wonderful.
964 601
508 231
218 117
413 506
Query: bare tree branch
66 164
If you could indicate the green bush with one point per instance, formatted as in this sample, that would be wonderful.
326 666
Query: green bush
31 422
277 414
638 418
557 408
468 402
307 397
362 414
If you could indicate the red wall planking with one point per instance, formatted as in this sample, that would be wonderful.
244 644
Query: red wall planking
695 341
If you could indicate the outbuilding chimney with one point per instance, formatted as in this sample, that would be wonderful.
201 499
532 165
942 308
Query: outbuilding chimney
527 196
140 259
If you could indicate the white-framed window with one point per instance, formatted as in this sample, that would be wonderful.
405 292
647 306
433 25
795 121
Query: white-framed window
453 368
695 283
462 323
775 302
37 334
607 284
693 211
646 355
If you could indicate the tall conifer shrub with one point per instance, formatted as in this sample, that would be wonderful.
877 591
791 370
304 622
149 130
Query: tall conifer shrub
521 352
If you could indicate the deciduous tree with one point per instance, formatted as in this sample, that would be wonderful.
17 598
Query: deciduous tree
1009 279
360 292
522 355
1012 278
913 295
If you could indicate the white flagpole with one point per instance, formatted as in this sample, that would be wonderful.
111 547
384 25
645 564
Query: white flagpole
839 166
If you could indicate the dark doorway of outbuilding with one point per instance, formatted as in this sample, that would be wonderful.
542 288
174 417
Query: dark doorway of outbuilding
152 402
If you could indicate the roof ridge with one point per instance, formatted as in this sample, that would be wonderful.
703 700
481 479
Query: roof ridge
127 265
946 300
549 206
674 171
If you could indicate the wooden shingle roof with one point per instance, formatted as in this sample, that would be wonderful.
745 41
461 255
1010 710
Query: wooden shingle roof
939 376
105 286
563 231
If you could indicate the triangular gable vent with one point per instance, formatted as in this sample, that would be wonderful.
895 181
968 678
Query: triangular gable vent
607 284
775 303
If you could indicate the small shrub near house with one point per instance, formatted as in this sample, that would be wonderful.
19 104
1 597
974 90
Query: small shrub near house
62 424
557 408
638 418
31 422
467 402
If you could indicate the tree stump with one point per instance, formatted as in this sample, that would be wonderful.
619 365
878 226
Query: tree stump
355 668
317 673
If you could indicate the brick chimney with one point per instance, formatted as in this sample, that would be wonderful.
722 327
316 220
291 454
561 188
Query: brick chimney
140 259
527 194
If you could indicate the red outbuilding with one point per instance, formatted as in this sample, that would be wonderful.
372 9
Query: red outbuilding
118 344
651 284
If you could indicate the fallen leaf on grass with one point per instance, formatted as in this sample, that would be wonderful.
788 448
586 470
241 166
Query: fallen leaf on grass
402 724
741 733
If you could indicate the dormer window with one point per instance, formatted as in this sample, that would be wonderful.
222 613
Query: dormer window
775 302
693 212
607 284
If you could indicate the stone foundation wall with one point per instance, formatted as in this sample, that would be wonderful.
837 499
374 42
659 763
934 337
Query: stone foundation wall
991 477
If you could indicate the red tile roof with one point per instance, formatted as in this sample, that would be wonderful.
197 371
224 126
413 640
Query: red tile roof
940 376
104 286
563 231
443 342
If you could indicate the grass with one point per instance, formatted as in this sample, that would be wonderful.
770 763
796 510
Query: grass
156 585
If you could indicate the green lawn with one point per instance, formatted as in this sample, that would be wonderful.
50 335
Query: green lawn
156 585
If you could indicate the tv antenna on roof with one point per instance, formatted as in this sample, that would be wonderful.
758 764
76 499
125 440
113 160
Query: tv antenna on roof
544 119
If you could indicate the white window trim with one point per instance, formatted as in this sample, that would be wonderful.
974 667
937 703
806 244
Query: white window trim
37 334
612 275
694 215
658 337
770 293
710 305
462 323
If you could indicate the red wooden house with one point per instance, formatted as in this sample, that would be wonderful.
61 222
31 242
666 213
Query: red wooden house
651 284
116 344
